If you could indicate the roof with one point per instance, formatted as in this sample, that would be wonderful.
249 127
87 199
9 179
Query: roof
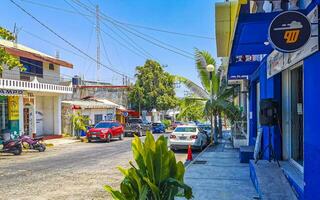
88 104
20 50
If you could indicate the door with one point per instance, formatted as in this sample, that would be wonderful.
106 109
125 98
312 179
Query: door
296 98
26 121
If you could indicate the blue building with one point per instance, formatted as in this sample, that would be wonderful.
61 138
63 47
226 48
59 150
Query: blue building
290 78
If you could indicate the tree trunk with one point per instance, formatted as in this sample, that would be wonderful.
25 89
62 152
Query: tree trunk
215 129
220 125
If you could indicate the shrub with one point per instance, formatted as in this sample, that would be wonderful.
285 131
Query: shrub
166 122
156 175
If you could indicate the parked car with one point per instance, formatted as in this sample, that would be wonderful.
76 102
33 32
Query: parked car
175 124
105 131
183 136
137 126
158 128
206 128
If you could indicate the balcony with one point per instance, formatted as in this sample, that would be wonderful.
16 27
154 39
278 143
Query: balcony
35 86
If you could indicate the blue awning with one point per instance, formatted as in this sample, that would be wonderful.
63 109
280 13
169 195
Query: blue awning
252 33
241 69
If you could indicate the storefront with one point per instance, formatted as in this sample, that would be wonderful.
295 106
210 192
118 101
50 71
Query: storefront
290 77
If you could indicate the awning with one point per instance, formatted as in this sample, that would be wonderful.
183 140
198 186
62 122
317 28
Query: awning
87 104
242 69
251 35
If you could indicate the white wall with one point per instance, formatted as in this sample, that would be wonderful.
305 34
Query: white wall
92 112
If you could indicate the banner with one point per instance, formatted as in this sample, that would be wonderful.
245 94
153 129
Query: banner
13 108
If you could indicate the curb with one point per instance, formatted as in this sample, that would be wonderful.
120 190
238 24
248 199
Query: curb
202 152
49 145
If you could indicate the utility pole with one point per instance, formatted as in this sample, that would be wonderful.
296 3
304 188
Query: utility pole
98 40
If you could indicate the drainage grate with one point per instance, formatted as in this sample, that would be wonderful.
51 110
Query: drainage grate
200 162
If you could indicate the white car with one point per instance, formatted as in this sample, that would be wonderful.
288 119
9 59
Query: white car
183 136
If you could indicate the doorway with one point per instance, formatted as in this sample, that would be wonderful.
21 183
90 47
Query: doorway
296 98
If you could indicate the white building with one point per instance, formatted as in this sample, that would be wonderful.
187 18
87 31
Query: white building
30 101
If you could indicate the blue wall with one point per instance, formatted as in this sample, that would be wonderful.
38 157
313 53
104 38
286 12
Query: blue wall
312 127
269 88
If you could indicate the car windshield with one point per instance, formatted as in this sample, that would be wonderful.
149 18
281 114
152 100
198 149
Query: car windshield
156 124
104 125
185 129
135 121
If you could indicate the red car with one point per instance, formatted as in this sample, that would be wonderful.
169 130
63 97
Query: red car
105 131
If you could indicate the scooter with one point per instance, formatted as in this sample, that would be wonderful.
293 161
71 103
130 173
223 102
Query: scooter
12 146
32 143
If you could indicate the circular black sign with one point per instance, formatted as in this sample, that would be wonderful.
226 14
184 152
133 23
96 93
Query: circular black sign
289 31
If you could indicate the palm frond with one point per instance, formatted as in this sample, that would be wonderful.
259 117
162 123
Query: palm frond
203 58
196 89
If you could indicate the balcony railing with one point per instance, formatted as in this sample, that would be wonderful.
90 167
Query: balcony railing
35 86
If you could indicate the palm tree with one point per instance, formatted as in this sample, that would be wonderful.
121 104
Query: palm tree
221 94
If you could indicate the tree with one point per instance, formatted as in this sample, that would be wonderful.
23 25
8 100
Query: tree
190 110
154 88
156 175
5 58
221 93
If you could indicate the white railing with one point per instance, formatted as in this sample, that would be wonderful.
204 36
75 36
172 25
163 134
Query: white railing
35 86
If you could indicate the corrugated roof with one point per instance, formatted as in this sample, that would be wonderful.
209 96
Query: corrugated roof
88 104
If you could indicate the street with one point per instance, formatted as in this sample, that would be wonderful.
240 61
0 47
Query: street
70 171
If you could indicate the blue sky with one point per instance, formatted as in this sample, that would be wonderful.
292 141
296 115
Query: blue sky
186 16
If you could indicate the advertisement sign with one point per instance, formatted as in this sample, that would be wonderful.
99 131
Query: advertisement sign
279 61
13 108
5 92
289 31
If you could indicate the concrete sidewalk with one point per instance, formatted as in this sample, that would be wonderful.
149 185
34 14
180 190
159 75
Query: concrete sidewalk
61 141
218 174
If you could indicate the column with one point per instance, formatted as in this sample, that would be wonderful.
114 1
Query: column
21 116
34 116
57 115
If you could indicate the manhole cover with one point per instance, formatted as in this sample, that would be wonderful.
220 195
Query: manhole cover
200 162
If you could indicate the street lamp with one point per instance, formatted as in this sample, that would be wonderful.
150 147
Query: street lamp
210 69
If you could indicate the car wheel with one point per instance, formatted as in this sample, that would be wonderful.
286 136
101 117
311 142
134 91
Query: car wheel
121 136
108 138
89 141
17 151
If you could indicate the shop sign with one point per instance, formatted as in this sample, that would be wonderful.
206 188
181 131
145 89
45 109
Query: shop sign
125 114
289 31
13 108
279 61
5 92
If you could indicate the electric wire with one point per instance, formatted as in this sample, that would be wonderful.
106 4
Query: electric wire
65 40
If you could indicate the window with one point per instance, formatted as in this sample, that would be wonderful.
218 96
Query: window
51 66
33 68
97 118
186 129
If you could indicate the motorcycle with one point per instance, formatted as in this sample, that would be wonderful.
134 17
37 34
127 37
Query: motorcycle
11 146
32 143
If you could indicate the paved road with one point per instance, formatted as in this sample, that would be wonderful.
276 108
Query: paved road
70 171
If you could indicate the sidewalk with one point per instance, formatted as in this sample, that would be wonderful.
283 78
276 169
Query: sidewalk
61 141
218 174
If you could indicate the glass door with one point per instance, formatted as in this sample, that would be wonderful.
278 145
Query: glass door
297 115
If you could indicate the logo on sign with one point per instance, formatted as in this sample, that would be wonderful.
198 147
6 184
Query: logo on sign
289 31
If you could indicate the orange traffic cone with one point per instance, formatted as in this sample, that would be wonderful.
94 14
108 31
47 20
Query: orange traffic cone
189 158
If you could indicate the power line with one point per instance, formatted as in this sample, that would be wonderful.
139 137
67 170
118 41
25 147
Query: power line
106 33
66 41
162 45
126 23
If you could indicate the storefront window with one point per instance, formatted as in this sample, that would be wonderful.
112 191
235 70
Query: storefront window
297 115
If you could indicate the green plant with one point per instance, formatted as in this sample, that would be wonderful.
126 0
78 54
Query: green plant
166 122
156 175
5 58
79 122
